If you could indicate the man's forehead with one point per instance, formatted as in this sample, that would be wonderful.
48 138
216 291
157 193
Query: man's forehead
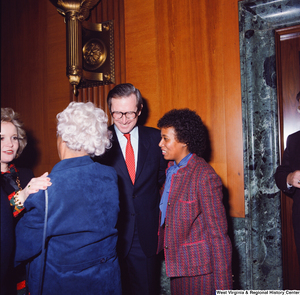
132 95
124 101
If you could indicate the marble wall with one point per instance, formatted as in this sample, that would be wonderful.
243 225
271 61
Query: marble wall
257 237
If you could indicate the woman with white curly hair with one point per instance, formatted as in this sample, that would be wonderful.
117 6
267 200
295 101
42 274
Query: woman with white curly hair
83 209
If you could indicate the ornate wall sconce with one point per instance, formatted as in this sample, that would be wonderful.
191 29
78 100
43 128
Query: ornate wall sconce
90 42
98 54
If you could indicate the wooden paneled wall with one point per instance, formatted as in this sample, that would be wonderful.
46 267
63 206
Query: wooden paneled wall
182 53
33 74
185 53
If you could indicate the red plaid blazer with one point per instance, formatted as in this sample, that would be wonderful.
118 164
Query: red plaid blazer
194 237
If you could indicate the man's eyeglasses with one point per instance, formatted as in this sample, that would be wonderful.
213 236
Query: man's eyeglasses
128 115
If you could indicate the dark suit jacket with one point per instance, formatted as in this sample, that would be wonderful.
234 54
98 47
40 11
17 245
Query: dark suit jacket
291 162
7 245
194 237
81 233
138 202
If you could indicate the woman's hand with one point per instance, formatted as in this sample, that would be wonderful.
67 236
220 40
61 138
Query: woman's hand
34 185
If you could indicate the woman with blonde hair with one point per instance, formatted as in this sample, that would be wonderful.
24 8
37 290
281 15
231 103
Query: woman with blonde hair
16 185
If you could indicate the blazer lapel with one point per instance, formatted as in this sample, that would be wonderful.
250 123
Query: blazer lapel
144 146
118 161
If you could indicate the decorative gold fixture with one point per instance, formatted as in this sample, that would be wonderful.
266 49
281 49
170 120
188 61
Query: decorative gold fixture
75 12
98 54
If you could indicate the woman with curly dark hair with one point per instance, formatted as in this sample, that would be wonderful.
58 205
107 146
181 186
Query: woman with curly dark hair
193 225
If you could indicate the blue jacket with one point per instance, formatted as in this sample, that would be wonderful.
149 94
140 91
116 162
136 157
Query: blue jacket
81 234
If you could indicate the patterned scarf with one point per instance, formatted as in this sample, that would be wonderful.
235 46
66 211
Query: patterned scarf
10 177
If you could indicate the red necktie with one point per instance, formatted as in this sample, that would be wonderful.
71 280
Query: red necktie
129 158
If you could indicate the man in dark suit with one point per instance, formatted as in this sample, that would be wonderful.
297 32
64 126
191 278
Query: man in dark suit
287 178
140 180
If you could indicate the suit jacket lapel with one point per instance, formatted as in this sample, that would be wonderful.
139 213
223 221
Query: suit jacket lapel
118 161
144 146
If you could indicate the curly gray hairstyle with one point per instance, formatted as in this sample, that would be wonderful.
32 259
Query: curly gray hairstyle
84 126
10 116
